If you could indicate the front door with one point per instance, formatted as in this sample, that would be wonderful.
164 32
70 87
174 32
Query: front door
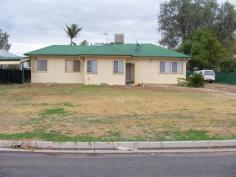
129 74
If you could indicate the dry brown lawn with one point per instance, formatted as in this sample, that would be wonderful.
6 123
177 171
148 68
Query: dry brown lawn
126 113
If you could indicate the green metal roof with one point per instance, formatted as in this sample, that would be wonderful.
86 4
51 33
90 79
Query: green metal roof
133 50
11 58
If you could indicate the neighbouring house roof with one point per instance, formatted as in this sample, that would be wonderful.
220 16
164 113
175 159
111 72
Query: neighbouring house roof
7 56
133 50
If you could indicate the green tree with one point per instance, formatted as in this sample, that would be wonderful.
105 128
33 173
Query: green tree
232 47
4 43
225 24
228 65
206 50
72 32
179 19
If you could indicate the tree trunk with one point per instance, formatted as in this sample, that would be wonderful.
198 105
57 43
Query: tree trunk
71 41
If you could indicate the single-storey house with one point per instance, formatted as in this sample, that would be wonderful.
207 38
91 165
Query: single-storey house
112 64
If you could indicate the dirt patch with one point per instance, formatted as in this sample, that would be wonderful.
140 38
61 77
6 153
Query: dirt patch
222 87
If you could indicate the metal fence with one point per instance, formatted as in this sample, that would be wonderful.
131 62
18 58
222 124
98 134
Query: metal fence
14 76
222 77
228 78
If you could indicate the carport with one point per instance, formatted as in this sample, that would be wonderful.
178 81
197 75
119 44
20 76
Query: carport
12 70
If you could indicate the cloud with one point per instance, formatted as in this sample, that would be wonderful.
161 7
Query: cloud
37 23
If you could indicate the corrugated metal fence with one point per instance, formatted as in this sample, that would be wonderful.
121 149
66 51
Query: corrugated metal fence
226 78
14 76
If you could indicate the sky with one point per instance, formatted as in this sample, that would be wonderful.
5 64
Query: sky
33 24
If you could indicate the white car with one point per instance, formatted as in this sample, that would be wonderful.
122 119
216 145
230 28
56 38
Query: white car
208 75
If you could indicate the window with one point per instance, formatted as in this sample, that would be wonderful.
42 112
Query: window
42 65
209 73
171 67
118 66
180 67
92 66
162 67
167 67
72 65
174 67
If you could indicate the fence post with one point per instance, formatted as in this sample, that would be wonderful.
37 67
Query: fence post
23 74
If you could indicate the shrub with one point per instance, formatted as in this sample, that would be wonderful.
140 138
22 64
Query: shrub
182 82
196 80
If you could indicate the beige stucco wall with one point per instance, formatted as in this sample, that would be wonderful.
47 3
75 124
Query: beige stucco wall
56 71
145 71
148 71
105 74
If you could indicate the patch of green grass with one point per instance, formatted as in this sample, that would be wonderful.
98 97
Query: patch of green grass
68 104
183 135
80 89
58 137
2 90
96 119
44 104
233 123
137 138
190 135
53 111
47 136
47 118
111 136
23 100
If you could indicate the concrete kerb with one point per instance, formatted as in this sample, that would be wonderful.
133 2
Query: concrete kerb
122 146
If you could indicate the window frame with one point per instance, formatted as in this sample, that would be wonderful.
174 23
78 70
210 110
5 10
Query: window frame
92 72
118 67
38 60
178 63
73 71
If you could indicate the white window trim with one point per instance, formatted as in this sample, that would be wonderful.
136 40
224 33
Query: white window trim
96 66
118 67
36 65
73 66
171 67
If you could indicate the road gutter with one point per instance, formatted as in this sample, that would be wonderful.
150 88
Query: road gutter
119 147
163 151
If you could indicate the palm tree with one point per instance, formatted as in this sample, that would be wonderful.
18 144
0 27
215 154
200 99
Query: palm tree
72 32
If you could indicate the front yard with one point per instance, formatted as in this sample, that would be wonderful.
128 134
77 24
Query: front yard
104 113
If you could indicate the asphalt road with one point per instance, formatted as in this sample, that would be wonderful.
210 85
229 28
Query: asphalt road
165 165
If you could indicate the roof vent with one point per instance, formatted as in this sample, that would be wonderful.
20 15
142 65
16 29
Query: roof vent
119 38
138 46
